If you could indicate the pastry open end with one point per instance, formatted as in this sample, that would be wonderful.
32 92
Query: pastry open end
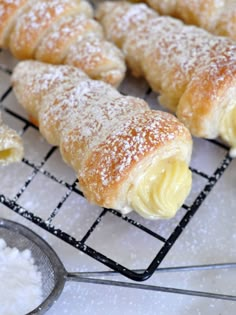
162 189
11 148
228 130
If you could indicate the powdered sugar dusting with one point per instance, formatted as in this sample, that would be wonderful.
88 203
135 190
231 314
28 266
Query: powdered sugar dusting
165 46
8 6
89 50
94 123
55 44
117 24
8 11
60 31
93 55
171 56
101 133
216 16
41 82
140 135
31 25
21 284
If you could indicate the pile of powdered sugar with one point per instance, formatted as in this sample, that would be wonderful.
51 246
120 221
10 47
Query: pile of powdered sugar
20 281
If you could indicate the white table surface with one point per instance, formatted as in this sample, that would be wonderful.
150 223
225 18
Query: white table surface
210 237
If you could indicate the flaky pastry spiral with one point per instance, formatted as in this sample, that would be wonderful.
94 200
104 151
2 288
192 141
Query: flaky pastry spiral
58 32
126 156
193 71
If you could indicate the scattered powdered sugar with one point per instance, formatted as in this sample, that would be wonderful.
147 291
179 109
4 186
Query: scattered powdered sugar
216 16
55 44
191 63
116 25
91 52
95 125
153 40
60 31
20 281
8 6
140 136
40 16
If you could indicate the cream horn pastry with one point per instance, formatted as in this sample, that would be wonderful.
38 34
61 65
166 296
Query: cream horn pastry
11 147
216 16
58 32
127 156
193 71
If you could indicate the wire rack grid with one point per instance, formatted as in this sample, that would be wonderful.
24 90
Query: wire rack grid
81 243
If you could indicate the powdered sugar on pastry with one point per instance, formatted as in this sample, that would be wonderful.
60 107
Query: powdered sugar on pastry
109 139
62 35
194 71
216 16
31 26
60 31
9 10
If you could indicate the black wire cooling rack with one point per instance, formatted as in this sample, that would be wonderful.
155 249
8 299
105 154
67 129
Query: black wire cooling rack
80 244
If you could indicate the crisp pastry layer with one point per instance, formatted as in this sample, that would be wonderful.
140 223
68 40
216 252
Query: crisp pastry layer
58 32
193 71
127 156
11 148
217 17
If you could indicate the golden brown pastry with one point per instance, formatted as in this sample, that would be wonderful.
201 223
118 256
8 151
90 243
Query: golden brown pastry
57 32
194 71
11 148
216 16
127 156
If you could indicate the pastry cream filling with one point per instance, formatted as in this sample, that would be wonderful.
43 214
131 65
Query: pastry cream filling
162 189
5 154
228 130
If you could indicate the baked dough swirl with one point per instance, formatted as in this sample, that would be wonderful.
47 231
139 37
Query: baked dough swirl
193 71
58 32
217 17
121 150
